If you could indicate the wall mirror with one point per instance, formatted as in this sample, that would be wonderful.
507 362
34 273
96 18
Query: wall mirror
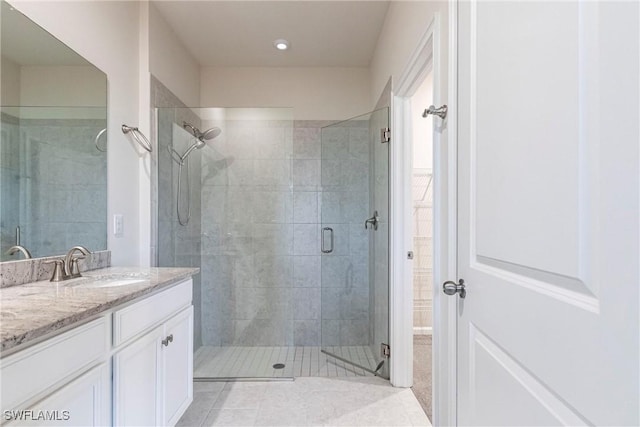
53 146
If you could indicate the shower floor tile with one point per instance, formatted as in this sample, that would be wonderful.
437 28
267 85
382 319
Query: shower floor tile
257 362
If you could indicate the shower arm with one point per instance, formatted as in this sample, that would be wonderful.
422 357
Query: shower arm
194 131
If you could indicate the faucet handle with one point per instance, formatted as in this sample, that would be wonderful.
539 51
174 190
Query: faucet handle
74 268
58 270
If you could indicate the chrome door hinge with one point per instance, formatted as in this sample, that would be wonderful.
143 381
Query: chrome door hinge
385 350
385 135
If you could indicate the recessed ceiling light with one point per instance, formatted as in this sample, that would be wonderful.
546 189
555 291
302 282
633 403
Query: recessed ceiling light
281 44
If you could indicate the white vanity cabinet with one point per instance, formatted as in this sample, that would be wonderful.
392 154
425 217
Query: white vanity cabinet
131 366
153 363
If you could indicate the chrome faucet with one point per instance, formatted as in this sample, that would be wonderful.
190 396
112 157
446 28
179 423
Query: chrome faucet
17 248
71 262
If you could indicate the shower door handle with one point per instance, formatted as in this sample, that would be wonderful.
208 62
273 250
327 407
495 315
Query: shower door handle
322 239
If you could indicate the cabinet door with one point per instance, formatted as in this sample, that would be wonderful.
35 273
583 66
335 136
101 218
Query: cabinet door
136 385
178 366
86 401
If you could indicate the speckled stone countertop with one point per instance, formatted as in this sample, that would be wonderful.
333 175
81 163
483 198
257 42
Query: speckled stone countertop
36 309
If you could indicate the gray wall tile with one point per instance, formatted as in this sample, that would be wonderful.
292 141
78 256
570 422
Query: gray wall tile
306 303
305 207
306 271
306 332
306 239
306 172
306 143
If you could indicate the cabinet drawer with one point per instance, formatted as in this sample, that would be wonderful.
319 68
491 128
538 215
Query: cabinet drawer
138 317
31 373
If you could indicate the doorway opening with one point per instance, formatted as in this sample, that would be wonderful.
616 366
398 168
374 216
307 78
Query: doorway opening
422 243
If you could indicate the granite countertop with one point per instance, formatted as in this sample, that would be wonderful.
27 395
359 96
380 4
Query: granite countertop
35 309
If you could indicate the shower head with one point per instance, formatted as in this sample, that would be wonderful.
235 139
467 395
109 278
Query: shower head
210 134
201 141
202 136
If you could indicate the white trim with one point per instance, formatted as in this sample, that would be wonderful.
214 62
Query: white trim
401 301
445 220
446 245
401 321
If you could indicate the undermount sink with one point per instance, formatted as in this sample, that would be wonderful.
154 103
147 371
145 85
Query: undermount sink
109 281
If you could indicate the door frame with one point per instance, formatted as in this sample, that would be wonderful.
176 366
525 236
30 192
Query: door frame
426 57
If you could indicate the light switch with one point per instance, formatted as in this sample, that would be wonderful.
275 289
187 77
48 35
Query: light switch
118 225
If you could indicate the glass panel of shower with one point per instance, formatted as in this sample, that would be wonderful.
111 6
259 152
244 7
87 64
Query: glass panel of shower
354 244
225 204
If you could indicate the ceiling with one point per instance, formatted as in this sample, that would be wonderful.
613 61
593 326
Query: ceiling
241 33
25 43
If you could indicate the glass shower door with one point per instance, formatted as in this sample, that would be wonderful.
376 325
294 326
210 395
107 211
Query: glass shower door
354 244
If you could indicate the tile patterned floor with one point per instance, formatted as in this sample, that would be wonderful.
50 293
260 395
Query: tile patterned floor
307 401
257 362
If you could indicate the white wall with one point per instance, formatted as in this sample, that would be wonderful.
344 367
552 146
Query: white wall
170 62
62 86
106 34
54 86
10 84
313 93
404 25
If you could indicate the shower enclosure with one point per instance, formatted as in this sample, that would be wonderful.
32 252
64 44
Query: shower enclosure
291 282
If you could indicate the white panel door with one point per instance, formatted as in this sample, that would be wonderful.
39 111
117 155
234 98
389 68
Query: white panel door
548 228
177 360
137 374
84 402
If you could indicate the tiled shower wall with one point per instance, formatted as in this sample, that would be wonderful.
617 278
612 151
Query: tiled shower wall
248 234
54 184
265 199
